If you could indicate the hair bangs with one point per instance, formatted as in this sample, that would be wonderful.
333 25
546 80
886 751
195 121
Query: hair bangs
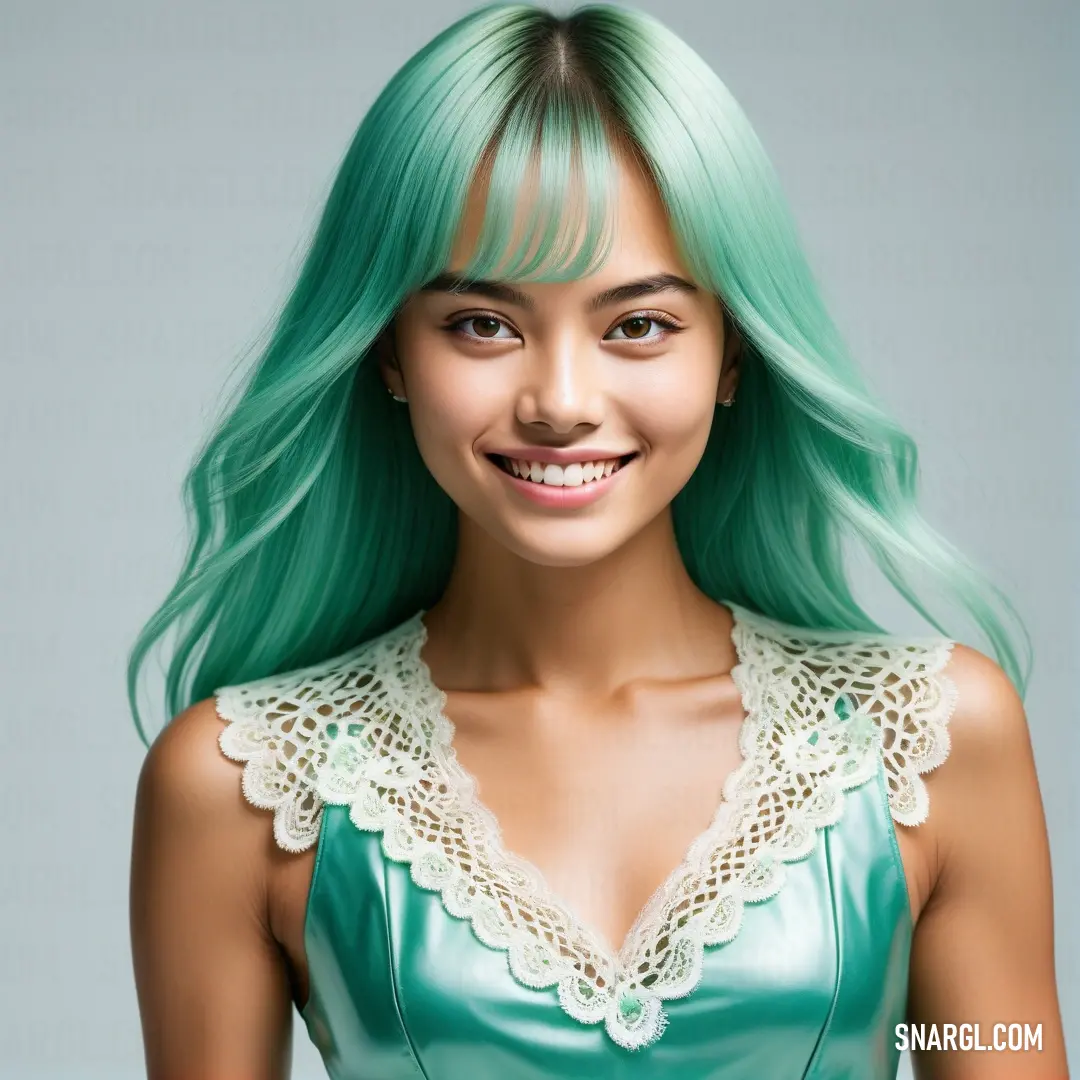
551 182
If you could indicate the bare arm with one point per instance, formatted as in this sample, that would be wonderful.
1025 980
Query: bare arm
212 985
984 946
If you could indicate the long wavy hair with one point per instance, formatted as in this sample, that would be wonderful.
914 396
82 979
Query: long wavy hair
314 523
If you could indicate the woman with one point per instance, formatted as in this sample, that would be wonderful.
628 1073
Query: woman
567 609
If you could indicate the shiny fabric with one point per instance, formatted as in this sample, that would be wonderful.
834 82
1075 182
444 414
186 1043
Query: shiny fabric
811 987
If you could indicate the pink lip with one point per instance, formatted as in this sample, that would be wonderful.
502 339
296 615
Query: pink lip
562 498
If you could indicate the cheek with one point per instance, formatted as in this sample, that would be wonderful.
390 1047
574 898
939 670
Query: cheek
451 407
674 415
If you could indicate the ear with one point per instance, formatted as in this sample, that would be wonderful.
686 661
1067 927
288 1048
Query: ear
386 356
732 360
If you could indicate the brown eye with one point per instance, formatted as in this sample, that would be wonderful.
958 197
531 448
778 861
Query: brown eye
480 328
485 327
639 329
636 327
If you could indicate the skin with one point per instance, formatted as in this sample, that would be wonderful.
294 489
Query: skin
623 729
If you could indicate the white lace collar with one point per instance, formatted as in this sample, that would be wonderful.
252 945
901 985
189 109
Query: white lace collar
368 729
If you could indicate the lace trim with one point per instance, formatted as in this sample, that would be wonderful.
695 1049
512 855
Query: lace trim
368 729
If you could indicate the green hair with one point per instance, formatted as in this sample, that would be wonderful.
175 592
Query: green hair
315 524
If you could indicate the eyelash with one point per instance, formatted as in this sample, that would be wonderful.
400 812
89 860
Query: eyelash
670 327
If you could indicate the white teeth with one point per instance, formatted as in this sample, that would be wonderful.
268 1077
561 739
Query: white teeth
573 475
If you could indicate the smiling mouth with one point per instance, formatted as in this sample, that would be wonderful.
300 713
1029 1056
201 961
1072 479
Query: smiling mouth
579 474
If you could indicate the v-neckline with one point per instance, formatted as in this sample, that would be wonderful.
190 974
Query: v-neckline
824 710
802 742
622 959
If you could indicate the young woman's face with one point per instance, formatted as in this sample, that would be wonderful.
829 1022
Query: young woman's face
604 401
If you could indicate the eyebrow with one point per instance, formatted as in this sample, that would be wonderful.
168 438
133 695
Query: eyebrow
499 290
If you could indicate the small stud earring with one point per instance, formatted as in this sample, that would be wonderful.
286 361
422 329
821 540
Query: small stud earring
729 401
394 396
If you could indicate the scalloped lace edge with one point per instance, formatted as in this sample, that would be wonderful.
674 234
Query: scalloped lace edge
633 1018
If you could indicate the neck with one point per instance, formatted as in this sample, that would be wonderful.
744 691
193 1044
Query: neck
504 622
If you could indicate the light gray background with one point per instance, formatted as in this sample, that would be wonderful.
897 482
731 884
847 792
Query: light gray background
161 167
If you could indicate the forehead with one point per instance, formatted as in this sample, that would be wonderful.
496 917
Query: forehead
640 230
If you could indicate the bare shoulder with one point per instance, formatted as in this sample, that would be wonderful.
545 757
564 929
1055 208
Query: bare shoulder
190 740
186 780
988 708
988 729
990 764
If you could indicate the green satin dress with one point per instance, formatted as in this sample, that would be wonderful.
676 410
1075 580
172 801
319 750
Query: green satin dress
778 950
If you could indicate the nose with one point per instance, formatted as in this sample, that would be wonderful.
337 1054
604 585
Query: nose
562 388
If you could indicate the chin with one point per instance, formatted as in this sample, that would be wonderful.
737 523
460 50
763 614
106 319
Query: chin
562 558
568 551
